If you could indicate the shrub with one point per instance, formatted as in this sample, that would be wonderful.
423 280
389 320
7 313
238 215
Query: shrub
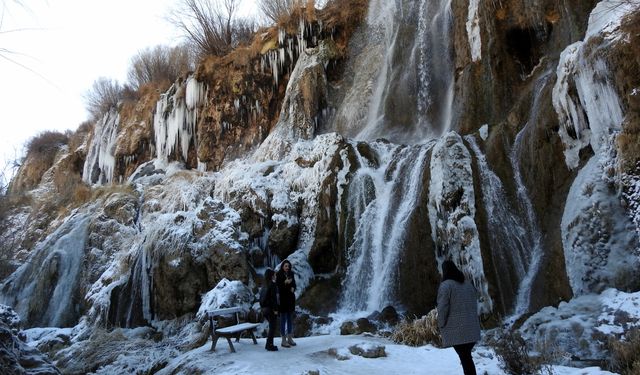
514 355
419 331
625 354
103 95
159 64
276 10
211 26
41 151
46 142
77 138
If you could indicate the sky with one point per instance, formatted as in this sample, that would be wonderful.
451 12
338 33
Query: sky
65 46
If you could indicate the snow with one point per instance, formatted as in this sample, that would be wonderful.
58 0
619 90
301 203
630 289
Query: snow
599 240
606 17
226 294
581 326
312 354
484 132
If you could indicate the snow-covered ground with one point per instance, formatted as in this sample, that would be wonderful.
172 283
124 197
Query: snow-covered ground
312 355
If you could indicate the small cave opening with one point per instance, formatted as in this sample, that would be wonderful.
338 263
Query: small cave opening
525 44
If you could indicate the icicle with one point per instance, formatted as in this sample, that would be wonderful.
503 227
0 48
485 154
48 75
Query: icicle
178 125
101 151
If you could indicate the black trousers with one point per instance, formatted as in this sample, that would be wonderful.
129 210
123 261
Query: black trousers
464 352
273 320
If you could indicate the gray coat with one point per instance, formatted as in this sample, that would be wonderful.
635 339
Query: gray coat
458 313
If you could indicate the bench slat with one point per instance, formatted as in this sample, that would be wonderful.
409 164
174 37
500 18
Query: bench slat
236 328
227 311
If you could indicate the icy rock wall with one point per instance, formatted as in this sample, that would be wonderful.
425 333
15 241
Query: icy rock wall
46 290
452 211
600 244
100 161
176 117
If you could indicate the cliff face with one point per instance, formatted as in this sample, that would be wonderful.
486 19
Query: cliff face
502 135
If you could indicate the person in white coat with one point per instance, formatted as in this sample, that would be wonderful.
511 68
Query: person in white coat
458 314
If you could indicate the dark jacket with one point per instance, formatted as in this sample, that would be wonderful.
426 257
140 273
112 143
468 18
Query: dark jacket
269 297
287 295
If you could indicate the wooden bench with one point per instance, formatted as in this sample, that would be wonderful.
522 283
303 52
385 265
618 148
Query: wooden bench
230 331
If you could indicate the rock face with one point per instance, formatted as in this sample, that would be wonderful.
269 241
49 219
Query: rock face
16 357
502 136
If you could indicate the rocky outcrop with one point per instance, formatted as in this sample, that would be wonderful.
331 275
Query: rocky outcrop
16 357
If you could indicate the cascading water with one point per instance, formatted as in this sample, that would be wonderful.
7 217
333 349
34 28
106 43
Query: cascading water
509 240
380 200
403 90
533 233
436 83
411 102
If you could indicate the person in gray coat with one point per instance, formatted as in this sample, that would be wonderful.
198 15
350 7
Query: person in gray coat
458 314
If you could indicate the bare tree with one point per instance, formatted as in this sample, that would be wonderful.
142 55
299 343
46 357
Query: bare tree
275 10
7 171
10 55
160 63
103 95
210 25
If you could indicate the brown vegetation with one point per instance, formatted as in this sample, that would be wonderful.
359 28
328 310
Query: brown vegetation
514 355
418 332
211 26
625 354
103 95
159 65
40 151
276 10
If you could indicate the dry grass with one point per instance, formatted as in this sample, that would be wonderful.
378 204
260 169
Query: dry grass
625 354
47 143
340 18
419 331
516 359
77 138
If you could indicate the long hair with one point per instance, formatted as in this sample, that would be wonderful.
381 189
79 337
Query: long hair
281 270
451 272
268 274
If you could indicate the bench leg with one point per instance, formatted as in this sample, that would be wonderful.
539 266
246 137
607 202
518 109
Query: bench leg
213 343
233 350
254 338
214 338
238 337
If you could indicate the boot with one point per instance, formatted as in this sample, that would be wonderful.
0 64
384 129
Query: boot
290 340
284 343
270 347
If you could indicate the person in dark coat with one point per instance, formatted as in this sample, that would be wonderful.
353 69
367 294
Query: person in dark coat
269 306
286 287
458 314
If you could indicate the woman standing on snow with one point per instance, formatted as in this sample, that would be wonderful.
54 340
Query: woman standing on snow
269 306
458 314
286 282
